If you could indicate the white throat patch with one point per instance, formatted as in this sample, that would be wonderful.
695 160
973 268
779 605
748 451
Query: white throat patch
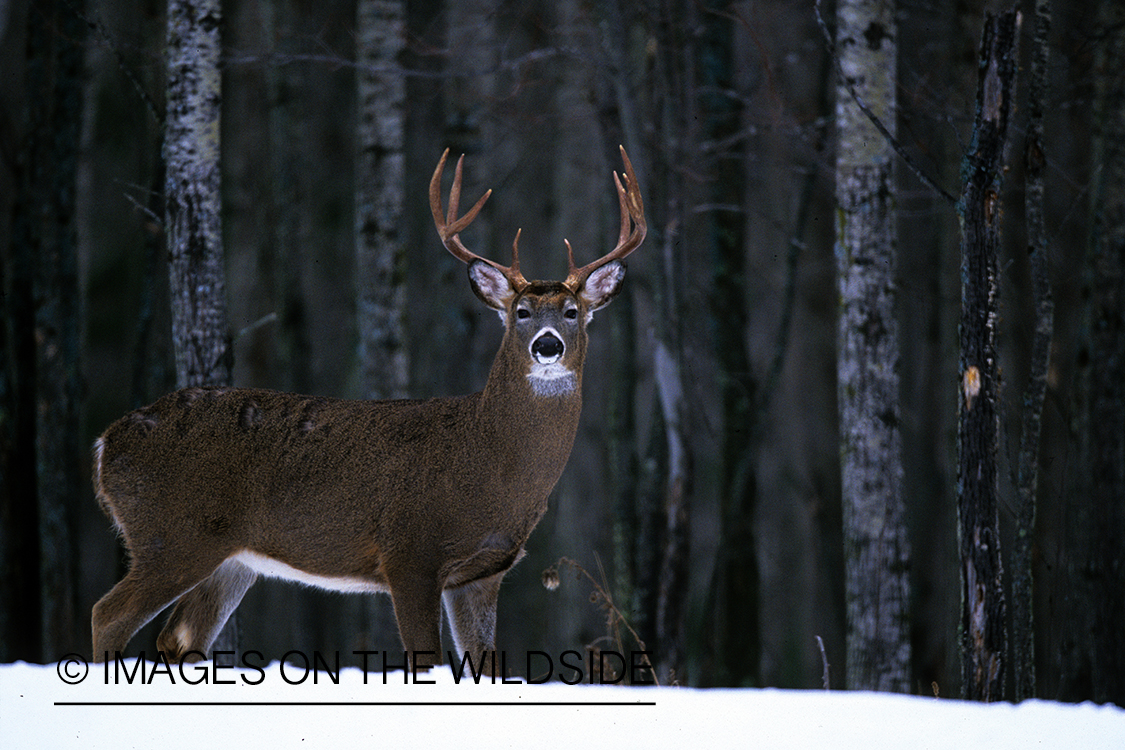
551 379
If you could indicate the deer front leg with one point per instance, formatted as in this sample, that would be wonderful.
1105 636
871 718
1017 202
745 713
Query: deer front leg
417 603
200 614
129 605
152 583
472 616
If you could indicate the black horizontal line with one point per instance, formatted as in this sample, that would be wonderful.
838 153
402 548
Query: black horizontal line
130 704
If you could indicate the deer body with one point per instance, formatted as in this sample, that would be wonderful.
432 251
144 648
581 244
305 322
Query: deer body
427 500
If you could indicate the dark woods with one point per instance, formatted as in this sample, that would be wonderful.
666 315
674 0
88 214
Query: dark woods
971 279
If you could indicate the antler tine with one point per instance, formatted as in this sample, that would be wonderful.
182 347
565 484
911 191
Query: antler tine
633 227
455 193
624 234
515 267
450 227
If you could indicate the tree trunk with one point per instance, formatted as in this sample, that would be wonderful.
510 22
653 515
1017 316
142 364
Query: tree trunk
192 198
876 547
57 332
196 278
20 635
1023 602
379 231
17 516
1104 568
983 635
665 486
40 386
732 615
629 477
285 244
673 102
380 178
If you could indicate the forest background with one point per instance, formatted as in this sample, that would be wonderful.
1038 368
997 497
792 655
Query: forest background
710 439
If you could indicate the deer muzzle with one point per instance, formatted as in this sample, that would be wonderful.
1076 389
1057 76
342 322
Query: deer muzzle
547 348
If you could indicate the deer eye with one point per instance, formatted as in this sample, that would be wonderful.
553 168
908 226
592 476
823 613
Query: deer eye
571 313
523 313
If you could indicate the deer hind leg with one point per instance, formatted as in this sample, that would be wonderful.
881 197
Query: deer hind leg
200 613
472 616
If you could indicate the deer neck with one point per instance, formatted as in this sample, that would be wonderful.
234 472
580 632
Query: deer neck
543 426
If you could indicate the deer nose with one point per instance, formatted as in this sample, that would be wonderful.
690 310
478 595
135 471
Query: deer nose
547 348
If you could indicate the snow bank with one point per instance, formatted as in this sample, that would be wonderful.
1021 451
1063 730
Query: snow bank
74 705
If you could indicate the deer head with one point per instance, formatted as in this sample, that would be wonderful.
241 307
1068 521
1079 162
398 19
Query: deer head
546 317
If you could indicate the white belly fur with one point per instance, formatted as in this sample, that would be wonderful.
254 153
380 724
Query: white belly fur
271 568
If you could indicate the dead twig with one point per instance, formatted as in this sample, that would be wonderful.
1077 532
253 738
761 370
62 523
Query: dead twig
601 596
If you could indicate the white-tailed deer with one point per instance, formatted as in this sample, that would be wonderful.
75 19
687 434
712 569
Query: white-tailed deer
429 501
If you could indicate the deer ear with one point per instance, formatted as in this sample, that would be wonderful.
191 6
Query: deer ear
603 285
491 285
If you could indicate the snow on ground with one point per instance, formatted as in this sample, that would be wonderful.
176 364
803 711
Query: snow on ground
281 707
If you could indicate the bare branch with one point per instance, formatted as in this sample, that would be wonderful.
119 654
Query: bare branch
903 154
99 29
337 61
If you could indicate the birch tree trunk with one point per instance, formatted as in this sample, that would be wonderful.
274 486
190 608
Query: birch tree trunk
379 231
380 177
983 634
191 193
196 279
876 547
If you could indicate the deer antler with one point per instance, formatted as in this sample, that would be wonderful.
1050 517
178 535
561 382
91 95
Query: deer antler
449 226
632 213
